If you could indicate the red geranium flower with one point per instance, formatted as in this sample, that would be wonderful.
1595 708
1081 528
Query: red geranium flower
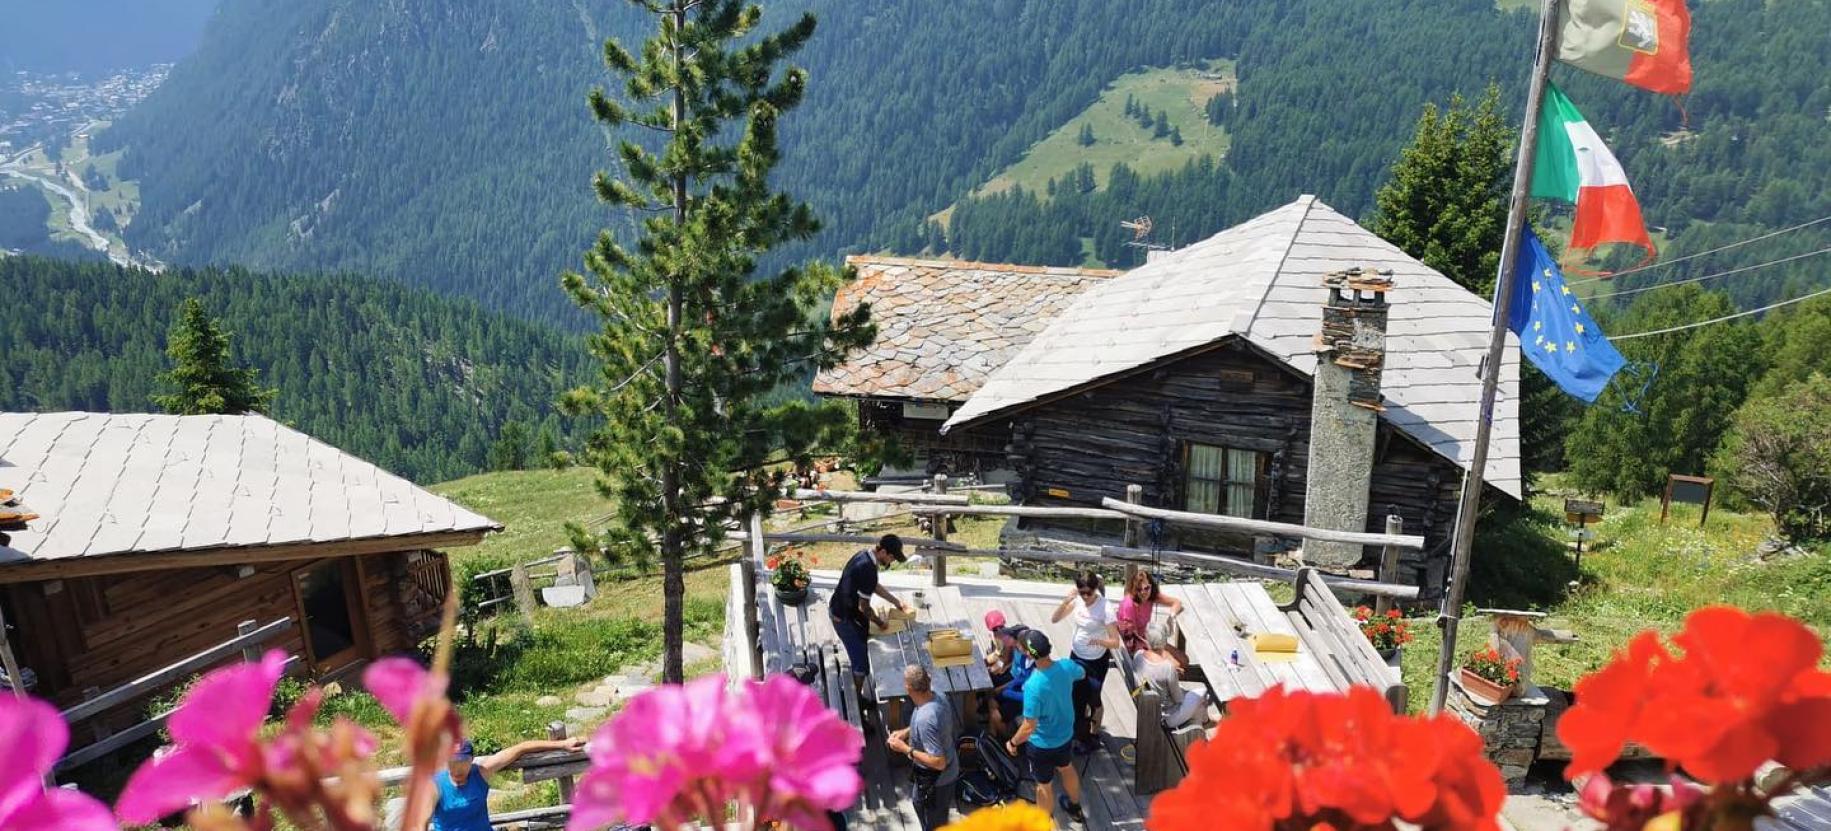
1304 761
1746 689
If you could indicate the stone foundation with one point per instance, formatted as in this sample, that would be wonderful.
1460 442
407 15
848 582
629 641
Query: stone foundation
1510 730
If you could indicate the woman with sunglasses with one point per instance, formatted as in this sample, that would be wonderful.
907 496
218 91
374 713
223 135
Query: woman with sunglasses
1142 597
1096 633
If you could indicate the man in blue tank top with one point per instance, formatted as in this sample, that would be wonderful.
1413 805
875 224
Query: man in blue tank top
464 788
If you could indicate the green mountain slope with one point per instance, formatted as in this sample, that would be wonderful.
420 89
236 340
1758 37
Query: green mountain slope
447 145
417 383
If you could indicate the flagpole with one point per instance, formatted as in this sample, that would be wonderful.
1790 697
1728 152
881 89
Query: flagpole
1462 543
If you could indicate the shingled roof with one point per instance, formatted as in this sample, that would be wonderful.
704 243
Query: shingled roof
121 484
1262 281
943 326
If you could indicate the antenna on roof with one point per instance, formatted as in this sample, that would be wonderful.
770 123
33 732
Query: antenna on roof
1141 232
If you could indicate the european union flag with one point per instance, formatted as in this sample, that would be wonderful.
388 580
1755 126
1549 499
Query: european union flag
1554 332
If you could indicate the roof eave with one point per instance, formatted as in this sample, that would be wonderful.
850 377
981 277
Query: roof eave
58 568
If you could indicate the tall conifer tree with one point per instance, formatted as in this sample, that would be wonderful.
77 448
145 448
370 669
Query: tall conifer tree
692 338
206 377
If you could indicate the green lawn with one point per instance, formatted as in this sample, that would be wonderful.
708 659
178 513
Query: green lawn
1179 93
1638 574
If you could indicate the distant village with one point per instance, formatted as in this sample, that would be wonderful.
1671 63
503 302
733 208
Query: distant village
36 107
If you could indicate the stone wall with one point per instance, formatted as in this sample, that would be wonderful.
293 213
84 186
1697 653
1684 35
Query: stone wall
1510 730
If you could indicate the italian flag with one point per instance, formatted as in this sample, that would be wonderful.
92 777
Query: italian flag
1573 165
1641 42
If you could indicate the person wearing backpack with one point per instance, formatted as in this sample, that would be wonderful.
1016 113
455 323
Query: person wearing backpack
931 743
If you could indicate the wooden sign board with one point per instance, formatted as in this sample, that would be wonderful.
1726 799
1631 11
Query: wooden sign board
1582 511
1692 490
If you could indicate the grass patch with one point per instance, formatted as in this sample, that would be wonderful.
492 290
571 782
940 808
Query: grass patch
1180 93
1638 574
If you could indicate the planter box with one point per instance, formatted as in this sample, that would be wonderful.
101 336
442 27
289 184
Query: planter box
1485 690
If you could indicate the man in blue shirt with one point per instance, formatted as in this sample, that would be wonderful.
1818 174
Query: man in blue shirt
464 788
850 606
1047 732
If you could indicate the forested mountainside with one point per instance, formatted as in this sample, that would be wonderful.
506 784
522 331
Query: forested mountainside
96 36
447 145
420 384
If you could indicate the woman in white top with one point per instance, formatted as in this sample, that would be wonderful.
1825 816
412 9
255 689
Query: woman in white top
1156 666
1096 633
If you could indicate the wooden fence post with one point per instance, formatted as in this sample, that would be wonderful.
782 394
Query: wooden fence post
1133 494
251 652
523 588
1389 562
939 522
753 629
557 730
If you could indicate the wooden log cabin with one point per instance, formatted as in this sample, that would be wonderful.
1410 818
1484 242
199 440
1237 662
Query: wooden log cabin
158 534
1196 375
943 326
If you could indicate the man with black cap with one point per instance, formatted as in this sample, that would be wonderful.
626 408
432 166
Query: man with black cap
850 607
1047 732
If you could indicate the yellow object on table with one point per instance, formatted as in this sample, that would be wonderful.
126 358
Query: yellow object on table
892 625
1274 648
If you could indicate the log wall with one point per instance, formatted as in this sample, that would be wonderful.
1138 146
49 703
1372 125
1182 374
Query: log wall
98 632
1082 448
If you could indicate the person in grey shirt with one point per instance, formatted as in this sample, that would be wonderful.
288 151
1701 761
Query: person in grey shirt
1157 668
929 742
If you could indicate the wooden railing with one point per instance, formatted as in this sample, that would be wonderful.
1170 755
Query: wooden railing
247 642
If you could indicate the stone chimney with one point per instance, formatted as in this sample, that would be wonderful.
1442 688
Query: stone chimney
1344 410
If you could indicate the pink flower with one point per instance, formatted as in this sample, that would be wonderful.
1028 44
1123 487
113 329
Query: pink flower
813 755
34 736
399 682
416 698
679 752
217 748
1633 807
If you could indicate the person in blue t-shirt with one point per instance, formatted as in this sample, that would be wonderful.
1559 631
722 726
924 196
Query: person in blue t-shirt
464 787
1008 696
1047 732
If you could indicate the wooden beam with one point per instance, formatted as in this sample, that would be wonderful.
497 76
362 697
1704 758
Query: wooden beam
810 495
96 750
32 570
1260 526
1249 568
1022 510
862 539
163 676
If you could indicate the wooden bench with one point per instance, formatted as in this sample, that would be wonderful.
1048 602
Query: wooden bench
1328 632
833 681
1159 752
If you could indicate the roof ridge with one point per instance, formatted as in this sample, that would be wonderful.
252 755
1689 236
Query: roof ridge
1308 200
1015 268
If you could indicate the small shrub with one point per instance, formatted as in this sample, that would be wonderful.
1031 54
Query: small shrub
1778 456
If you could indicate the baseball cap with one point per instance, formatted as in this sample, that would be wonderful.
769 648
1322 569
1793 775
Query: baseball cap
1036 644
892 545
994 620
464 752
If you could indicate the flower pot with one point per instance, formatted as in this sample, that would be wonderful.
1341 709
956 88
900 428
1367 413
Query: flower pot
792 597
1391 657
1485 690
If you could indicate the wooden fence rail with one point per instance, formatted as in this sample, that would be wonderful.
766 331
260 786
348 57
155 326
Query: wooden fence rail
247 642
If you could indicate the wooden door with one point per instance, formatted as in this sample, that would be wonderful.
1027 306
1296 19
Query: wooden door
336 632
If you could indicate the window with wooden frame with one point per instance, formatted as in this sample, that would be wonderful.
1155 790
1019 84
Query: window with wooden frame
1223 480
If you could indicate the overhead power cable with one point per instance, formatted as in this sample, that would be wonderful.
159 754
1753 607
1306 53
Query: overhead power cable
1662 263
1710 276
1769 306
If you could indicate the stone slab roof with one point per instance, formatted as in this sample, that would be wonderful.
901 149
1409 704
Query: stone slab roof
1262 281
943 326
117 484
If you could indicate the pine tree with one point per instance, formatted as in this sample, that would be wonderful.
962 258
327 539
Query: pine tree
206 377
692 340
1446 203
546 449
1161 127
1086 138
1131 106
1176 136
510 452
1145 119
